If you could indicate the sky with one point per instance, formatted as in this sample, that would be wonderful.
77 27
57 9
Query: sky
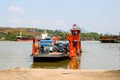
101 16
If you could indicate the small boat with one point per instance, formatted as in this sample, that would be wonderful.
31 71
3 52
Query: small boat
21 38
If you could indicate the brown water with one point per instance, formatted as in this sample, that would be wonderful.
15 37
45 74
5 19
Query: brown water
95 55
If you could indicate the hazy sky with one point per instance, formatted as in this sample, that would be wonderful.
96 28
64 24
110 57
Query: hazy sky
102 16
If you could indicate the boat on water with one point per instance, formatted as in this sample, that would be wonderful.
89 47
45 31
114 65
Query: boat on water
21 38
110 39
49 50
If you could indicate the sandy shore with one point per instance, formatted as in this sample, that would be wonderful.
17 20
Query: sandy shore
57 74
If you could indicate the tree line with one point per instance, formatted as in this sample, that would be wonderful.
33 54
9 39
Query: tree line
11 33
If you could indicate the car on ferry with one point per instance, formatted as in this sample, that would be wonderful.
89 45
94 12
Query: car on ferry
46 46
61 47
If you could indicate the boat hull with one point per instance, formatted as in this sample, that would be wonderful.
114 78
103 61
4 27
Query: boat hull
118 41
50 57
24 40
110 39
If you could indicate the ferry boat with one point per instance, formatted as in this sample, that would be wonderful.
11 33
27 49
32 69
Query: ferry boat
48 50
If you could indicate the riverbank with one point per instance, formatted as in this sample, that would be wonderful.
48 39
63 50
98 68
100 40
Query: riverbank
58 74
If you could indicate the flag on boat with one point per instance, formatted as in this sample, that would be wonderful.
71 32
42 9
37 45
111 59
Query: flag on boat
32 30
74 26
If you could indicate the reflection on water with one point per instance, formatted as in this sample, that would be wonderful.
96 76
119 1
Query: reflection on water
73 63
61 64
95 55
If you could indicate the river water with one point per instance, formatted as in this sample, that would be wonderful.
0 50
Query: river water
95 55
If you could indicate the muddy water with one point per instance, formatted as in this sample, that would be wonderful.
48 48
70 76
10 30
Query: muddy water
95 55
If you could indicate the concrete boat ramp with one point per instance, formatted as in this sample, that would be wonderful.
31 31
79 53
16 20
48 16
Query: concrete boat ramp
58 74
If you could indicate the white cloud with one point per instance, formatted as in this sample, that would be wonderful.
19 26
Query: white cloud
36 21
16 8
15 21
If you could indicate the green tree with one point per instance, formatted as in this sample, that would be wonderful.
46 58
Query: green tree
11 37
